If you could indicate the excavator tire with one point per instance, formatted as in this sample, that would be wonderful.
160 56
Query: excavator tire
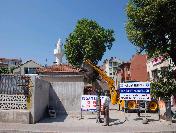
153 106
131 105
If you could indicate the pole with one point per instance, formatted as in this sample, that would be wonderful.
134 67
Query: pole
145 120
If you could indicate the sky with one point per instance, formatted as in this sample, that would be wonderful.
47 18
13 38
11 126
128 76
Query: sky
30 29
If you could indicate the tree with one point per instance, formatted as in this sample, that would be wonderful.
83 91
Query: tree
88 41
4 70
164 87
151 26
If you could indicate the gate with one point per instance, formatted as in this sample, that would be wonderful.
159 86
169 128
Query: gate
15 92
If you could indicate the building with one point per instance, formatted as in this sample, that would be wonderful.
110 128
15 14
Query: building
133 70
111 65
10 63
123 73
154 66
138 68
29 67
67 86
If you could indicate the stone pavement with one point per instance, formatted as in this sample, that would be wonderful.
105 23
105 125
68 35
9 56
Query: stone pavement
119 122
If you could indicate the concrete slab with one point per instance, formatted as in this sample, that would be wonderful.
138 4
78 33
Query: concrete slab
15 116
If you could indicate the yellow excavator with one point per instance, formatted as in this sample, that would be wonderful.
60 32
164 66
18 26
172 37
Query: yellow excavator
115 94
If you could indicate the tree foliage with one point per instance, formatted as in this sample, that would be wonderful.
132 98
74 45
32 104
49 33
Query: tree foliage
151 26
88 41
4 70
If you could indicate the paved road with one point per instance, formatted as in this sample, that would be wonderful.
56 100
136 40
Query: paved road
119 122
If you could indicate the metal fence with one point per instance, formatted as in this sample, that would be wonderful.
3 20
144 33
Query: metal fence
14 84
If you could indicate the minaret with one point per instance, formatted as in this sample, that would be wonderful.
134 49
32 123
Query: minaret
58 52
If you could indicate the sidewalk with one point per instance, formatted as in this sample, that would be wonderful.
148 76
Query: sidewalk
119 122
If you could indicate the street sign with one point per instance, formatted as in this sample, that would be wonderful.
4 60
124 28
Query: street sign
135 91
88 102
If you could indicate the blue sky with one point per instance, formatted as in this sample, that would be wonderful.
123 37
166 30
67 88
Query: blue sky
30 29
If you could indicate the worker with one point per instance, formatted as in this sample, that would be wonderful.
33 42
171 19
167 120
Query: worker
106 108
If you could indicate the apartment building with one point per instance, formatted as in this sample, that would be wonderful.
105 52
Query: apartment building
111 65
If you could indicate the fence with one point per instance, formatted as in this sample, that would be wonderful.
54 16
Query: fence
15 92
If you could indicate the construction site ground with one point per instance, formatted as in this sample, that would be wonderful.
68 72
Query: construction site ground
119 122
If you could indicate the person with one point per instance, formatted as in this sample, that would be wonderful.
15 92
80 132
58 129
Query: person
106 109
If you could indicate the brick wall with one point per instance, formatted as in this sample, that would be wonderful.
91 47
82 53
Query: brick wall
138 68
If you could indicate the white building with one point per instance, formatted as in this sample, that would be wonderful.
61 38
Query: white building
154 65
111 65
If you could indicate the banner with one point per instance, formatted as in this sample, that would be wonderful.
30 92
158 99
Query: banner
88 102
135 91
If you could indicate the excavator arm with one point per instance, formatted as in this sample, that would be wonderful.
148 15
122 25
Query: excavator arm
110 82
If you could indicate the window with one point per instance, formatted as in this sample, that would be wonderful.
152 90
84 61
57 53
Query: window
114 63
110 64
32 70
26 70
164 70
155 74
29 70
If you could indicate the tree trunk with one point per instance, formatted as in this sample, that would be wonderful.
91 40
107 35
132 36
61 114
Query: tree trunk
98 108
168 110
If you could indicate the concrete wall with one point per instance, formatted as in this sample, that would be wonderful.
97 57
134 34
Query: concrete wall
15 116
65 93
39 103
40 99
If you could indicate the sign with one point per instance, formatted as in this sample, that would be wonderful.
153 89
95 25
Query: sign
135 91
88 102
157 60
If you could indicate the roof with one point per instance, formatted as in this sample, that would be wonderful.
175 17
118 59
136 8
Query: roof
59 68
5 59
28 62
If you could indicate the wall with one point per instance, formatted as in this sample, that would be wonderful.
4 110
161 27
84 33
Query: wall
13 97
40 98
138 68
15 116
65 93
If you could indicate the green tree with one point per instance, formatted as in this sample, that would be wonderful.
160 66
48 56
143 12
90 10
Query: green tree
164 87
151 26
88 41
4 70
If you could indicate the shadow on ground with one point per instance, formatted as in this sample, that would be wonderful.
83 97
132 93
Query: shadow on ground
116 122
59 118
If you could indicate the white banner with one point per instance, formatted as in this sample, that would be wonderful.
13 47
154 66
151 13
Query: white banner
133 96
88 102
